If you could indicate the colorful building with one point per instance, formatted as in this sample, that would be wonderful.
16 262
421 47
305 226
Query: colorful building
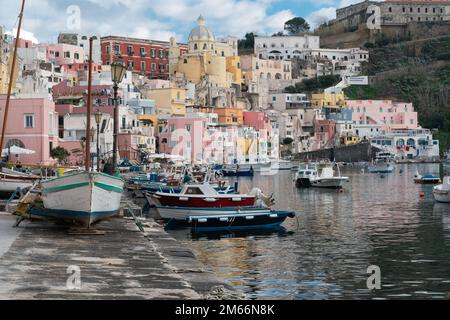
169 101
31 124
329 100
146 57
373 117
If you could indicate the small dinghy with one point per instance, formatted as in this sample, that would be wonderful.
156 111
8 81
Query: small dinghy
426 179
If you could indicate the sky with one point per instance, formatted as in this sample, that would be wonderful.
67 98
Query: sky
159 20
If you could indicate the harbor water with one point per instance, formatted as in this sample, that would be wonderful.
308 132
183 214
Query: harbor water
378 220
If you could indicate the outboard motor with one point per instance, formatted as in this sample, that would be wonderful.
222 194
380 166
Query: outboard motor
261 199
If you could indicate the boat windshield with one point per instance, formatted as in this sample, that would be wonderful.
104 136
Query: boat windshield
194 191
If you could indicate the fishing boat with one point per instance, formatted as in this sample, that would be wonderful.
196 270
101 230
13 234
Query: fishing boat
201 196
279 164
84 197
441 192
313 175
238 171
236 220
426 179
384 163
11 182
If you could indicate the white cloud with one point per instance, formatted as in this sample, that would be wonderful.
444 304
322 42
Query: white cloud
316 18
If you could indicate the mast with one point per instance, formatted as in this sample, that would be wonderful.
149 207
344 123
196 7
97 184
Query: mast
89 111
11 76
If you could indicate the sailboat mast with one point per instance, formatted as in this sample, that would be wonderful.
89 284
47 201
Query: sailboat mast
89 111
11 76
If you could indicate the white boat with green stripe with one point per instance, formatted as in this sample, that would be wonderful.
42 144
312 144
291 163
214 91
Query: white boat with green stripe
83 197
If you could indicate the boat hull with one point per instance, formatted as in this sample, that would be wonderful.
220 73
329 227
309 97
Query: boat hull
382 168
441 195
182 214
266 219
326 183
85 198
204 202
9 186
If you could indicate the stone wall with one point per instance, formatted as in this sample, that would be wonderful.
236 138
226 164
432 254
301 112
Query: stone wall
355 153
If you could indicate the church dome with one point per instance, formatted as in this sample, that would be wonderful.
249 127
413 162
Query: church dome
201 33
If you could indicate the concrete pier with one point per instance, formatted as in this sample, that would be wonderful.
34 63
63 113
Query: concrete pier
41 260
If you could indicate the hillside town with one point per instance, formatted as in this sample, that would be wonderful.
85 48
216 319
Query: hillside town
225 150
233 106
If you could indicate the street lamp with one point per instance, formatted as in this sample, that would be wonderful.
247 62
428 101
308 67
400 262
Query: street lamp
98 119
117 73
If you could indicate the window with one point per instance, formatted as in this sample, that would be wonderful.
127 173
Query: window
161 54
390 9
67 54
29 121
117 49
143 66
130 50
108 49
188 128
153 53
142 51
50 147
77 56
153 66
195 191
403 9
124 123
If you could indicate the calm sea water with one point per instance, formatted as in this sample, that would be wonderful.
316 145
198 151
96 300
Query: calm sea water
325 253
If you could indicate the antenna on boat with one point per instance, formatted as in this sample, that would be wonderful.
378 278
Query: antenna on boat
11 76
89 111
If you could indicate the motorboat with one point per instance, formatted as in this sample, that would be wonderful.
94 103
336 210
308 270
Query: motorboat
11 181
441 192
313 175
238 219
426 179
384 163
201 196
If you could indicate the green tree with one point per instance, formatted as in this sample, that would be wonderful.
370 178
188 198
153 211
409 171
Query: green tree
278 34
248 42
60 154
296 25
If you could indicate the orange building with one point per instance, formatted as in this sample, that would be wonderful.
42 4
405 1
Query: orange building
227 116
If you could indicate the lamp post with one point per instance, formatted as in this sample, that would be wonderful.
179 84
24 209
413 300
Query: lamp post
117 73
98 119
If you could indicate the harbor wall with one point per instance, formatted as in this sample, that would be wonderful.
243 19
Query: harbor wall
354 153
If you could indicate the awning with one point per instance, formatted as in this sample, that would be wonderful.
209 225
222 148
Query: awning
16 150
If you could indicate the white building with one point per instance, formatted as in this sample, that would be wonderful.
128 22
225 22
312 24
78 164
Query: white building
409 144
285 47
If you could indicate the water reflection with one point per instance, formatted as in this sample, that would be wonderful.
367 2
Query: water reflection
325 255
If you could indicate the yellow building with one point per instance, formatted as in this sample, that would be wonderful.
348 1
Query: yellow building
234 67
4 78
330 100
169 101
206 59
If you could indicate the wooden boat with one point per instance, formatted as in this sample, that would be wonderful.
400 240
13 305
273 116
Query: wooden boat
238 172
426 179
10 182
83 198
235 220
202 196
441 192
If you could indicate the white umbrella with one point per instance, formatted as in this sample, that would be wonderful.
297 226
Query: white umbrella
16 150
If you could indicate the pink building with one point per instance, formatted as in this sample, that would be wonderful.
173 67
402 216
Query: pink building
257 120
32 124
184 137
388 114
64 54
325 130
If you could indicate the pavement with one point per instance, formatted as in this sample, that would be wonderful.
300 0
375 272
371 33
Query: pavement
40 260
